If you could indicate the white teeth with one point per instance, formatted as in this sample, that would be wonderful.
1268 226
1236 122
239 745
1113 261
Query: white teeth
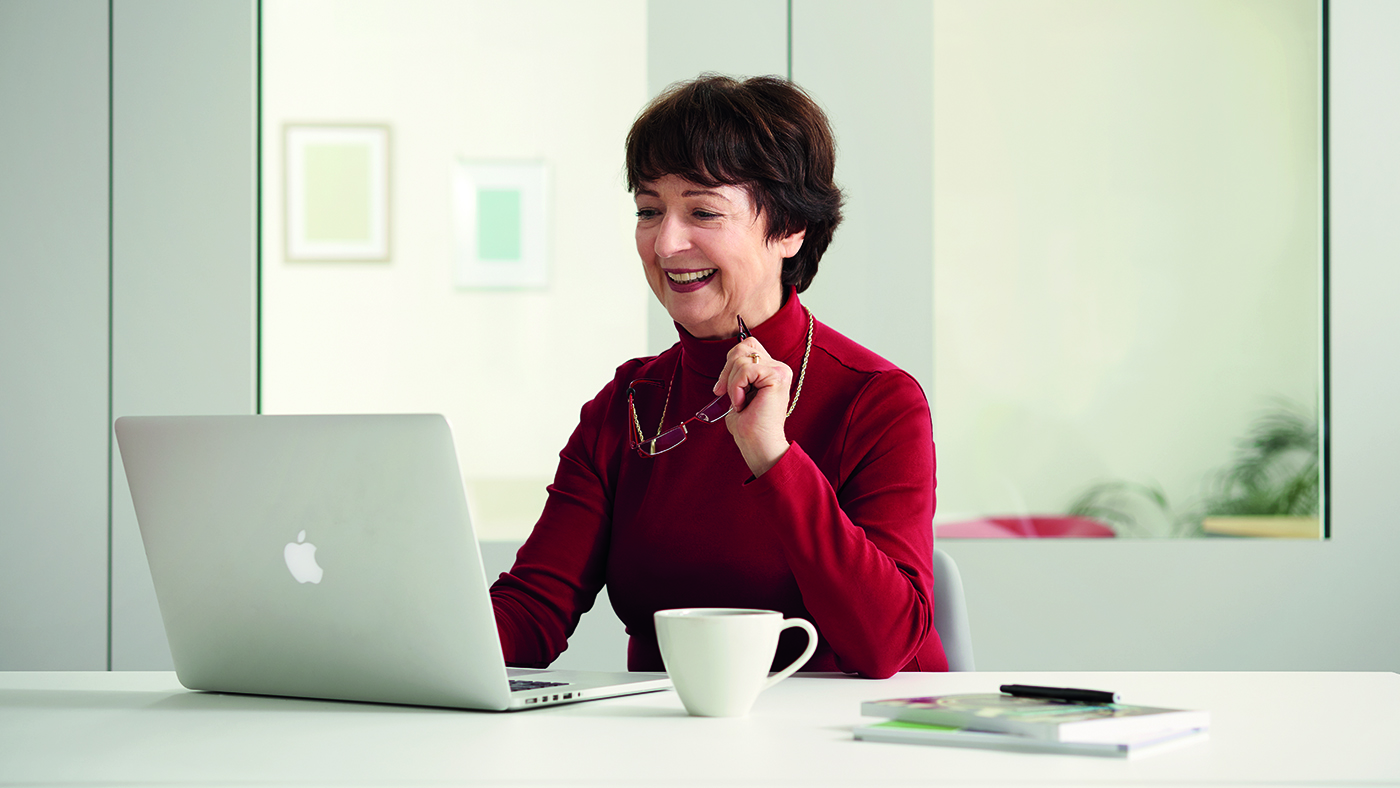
681 279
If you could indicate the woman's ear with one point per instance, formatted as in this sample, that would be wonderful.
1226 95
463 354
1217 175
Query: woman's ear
790 245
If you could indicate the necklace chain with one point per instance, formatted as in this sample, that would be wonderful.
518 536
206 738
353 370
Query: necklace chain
801 377
811 326
641 436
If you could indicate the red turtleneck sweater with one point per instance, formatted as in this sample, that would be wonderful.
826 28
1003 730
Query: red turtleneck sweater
839 532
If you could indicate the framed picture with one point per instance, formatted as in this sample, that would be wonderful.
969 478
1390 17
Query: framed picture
501 228
337 192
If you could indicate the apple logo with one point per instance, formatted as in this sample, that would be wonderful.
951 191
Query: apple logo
301 559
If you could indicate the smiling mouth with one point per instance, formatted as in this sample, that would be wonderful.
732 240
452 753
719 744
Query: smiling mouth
691 276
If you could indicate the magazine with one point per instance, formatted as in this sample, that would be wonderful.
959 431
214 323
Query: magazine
1037 718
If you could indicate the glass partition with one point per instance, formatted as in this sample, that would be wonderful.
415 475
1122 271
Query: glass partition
1128 246
1128 266
495 117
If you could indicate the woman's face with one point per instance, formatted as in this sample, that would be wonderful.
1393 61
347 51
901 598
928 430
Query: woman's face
705 255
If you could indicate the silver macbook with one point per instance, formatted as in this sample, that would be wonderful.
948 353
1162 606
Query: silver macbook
327 557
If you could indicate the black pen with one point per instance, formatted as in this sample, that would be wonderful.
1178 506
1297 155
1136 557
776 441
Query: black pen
743 335
1066 694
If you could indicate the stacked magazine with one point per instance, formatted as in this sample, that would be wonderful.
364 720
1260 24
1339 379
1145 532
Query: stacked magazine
1006 722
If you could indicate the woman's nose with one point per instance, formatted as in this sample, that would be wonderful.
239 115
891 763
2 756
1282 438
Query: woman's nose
671 238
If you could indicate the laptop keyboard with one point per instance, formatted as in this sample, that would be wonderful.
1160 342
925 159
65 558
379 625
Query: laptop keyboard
516 685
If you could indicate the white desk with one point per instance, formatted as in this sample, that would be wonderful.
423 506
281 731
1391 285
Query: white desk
143 728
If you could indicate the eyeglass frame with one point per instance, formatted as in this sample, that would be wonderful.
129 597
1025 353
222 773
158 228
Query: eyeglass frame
704 415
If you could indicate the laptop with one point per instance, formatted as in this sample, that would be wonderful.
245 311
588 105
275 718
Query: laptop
327 557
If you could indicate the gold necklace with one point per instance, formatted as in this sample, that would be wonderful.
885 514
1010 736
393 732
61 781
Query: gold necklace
811 325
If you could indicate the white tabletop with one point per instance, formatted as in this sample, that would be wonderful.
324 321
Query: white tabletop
143 728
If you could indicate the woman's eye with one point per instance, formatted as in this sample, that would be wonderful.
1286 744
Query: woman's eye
646 213
701 214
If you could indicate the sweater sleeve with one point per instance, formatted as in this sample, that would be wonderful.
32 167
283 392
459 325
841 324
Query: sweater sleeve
861 551
561 567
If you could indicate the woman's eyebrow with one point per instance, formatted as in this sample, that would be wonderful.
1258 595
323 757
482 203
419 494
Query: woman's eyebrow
704 193
645 192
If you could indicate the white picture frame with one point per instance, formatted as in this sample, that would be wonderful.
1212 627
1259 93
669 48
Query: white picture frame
336 192
501 236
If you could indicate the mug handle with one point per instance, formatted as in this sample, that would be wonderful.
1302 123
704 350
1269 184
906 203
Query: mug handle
789 623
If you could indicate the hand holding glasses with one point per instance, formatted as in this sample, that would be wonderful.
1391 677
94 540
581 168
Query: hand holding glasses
718 408
761 442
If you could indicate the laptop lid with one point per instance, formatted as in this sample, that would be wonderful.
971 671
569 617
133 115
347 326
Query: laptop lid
324 557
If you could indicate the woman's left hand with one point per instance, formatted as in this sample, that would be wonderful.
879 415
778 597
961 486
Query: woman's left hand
758 386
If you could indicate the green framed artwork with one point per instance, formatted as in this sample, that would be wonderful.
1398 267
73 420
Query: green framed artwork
500 224
337 192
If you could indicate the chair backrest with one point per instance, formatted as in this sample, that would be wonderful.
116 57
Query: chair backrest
950 612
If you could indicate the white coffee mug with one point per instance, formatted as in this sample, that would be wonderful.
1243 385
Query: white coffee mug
718 657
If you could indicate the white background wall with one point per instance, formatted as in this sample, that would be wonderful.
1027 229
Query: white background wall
1206 604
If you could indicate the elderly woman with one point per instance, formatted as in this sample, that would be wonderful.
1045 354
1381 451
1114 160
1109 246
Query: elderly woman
815 495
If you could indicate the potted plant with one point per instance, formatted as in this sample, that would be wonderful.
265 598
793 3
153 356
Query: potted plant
1271 488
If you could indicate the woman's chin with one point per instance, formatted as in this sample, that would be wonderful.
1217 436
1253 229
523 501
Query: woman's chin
707 324
688 308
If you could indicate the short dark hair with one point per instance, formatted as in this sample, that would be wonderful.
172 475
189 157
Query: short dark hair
764 134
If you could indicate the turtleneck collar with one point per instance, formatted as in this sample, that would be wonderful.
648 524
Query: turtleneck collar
784 335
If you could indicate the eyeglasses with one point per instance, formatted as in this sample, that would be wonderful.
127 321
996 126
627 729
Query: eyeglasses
670 439
718 408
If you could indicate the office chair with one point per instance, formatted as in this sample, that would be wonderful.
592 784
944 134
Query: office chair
950 612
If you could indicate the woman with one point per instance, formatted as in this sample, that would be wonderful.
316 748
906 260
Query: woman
815 496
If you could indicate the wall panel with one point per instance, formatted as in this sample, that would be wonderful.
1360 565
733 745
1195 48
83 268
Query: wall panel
53 335
184 248
738 38
873 73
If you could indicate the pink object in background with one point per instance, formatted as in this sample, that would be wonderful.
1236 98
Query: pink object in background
1027 527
